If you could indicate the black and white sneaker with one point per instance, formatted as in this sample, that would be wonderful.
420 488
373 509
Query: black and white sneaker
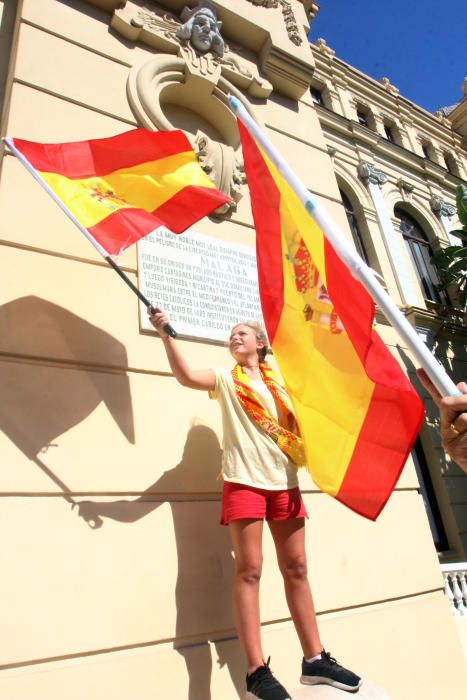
262 685
327 670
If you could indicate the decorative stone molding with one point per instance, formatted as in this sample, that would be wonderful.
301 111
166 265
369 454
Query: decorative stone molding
389 120
358 102
291 25
455 587
289 70
311 9
163 31
437 320
223 167
331 150
265 3
186 83
440 207
405 186
441 117
201 29
362 105
386 83
369 174
289 17
291 78
324 48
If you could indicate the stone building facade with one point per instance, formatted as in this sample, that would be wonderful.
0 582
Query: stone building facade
116 574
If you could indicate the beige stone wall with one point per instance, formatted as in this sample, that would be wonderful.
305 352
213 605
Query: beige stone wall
132 597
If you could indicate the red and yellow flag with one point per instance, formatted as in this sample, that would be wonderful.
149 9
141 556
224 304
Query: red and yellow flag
358 413
123 187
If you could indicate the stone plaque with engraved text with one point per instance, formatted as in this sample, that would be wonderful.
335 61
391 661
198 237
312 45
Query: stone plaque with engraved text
205 285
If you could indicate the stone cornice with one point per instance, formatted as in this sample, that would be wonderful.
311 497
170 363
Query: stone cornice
442 319
378 94
108 5
331 121
311 8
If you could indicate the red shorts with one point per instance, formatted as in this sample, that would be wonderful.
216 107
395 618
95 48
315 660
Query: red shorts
241 501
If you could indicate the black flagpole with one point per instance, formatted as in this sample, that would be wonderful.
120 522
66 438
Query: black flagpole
167 328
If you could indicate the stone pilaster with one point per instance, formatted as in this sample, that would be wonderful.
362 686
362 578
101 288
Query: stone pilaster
373 179
444 211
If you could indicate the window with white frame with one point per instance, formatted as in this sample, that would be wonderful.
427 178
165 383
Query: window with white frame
420 253
317 96
450 163
427 149
364 116
354 227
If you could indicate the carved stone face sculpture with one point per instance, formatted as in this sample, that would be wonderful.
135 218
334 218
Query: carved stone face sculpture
202 30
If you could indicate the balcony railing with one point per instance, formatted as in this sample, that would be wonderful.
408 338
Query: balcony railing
455 586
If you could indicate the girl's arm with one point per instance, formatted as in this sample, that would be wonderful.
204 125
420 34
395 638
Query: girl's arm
203 379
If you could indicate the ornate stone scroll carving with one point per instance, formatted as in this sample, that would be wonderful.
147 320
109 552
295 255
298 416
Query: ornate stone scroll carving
440 207
405 186
223 167
369 174
266 3
324 48
289 17
387 85
290 22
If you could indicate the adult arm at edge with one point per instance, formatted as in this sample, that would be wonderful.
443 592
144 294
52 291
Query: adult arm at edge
453 419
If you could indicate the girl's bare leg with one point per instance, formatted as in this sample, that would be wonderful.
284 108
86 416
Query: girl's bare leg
246 535
289 538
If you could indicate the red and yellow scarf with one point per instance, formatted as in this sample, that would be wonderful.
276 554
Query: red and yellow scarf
286 439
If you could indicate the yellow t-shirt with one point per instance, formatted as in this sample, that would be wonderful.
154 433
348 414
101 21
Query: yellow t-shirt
250 456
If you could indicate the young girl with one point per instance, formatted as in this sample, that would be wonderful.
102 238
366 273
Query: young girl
261 453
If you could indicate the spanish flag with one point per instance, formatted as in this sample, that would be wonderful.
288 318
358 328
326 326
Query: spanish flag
123 187
358 413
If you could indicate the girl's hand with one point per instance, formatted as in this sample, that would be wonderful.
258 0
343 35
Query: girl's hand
158 320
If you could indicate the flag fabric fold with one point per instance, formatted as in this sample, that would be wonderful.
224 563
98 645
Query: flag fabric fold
123 187
357 411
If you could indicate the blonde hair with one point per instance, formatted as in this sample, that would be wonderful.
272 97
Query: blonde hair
260 335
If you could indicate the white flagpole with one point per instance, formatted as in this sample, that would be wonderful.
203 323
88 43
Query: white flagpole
49 190
358 268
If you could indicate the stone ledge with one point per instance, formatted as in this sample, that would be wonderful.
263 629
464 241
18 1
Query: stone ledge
368 691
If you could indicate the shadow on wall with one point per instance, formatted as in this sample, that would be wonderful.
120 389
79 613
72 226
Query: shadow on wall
38 409
205 566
